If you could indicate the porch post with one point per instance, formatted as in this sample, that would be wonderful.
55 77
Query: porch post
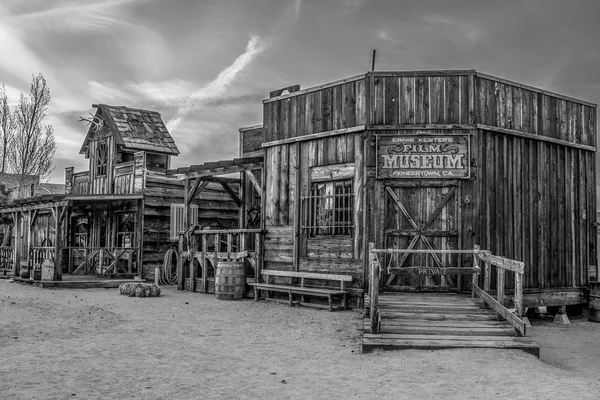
58 244
28 251
18 233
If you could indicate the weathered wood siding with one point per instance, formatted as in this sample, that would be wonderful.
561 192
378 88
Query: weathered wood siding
251 140
98 184
509 105
531 195
419 98
288 169
537 204
329 107
215 208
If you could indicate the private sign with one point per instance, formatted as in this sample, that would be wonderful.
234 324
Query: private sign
423 156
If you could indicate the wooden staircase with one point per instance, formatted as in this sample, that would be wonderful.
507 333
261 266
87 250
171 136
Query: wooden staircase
439 321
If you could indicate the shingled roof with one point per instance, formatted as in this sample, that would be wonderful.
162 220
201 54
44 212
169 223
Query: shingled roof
134 129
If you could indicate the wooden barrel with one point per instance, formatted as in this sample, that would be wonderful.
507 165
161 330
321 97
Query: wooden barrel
230 280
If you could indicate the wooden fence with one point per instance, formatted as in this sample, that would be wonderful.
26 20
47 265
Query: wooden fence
38 254
209 247
103 261
502 265
7 261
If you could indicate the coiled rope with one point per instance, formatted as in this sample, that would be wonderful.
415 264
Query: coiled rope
170 272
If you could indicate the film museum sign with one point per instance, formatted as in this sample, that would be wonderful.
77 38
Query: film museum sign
423 156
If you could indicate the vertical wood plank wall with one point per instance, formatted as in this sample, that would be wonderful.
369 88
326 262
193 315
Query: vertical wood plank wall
530 198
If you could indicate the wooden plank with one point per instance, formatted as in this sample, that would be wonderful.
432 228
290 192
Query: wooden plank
283 177
307 275
422 101
453 101
447 331
406 99
436 102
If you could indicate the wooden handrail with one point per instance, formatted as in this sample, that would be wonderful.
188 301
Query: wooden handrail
502 265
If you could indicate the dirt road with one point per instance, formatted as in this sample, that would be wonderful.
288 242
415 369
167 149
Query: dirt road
95 344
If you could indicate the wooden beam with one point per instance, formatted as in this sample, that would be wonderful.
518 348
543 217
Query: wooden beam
505 263
231 193
254 181
429 271
313 136
230 169
195 189
421 126
220 179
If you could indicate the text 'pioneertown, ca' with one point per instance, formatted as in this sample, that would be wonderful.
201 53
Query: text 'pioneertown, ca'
422 156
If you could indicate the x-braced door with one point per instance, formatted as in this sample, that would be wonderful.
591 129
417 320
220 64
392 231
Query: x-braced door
421 216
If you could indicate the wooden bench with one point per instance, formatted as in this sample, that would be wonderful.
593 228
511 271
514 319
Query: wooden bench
303 289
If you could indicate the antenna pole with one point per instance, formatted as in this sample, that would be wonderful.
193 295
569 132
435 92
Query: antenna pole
373 60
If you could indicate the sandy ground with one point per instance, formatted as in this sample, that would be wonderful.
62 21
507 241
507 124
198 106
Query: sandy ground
96 344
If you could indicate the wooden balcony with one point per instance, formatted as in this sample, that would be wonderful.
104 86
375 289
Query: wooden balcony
122 178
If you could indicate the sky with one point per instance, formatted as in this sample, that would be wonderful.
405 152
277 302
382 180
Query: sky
206 65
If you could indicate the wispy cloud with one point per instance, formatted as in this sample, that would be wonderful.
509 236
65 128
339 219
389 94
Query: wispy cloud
219 85
391 37
74 15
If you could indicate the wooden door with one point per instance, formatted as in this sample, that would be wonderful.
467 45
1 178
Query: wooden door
421 216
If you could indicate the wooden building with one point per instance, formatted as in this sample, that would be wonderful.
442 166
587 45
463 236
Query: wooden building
120 216
430 160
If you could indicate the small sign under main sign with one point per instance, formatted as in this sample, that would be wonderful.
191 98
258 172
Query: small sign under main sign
423 156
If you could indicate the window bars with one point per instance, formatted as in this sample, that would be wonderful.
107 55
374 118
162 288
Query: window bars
328 209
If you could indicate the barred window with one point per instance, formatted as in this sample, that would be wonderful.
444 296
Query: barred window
328 209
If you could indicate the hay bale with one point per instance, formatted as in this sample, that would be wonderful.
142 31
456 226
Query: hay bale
135 289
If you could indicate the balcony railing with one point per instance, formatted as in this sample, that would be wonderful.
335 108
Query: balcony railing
122 181
6 259
102 261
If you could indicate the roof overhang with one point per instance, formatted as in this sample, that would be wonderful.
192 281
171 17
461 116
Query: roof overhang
211 169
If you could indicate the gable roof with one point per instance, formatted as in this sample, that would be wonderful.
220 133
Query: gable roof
133 129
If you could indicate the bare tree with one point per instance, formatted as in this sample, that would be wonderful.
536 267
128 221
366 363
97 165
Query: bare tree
5 128
33 146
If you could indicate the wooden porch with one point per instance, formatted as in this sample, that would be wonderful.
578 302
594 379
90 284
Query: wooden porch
436 321
424 320
76 282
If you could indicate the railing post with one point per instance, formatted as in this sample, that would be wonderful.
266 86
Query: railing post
204 264
518 299
374 290
500 289
475 277
486 281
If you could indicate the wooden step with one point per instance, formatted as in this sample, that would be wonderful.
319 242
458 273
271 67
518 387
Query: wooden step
438 342
446 330
425 322
439 316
